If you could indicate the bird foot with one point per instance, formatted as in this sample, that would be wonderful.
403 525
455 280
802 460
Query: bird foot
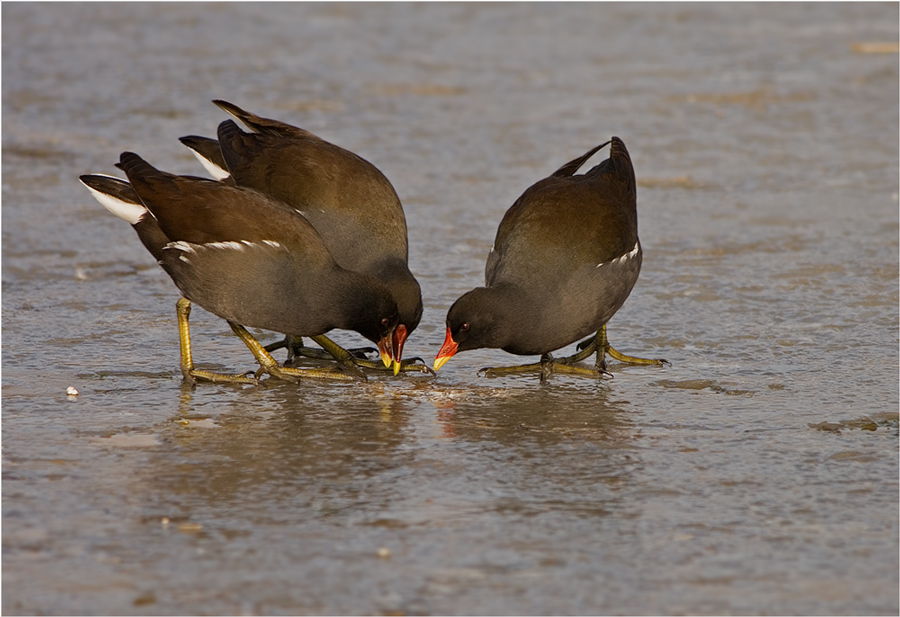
634 360
411 366
599 341
295 347
546 369
294 375
406 366
192 376
320 354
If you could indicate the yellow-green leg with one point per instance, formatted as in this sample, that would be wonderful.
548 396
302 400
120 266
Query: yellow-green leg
600 344
269 365
349 358
546 367
294 346
191 375
412 366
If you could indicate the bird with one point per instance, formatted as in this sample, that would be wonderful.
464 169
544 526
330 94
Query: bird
347 200
565 258
248 259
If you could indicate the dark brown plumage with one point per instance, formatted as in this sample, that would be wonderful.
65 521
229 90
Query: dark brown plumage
347 200
244 256
565 259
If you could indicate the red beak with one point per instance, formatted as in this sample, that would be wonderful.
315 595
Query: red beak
400 334
447 350
385 349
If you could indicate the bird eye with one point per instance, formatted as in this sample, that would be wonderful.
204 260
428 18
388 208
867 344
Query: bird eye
464 327
386 321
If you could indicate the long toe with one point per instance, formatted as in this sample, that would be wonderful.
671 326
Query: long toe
295 374
635 360
199 375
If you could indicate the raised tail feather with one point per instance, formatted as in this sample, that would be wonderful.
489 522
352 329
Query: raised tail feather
572 166
209 154
261 125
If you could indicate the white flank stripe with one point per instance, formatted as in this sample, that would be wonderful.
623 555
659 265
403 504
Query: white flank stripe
233 245
181 245
124 210
224 245
629 255
212 169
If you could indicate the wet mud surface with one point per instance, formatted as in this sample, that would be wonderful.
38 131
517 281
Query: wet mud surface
756 474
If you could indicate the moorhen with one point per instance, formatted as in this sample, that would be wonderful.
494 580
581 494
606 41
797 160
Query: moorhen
565 259
347 200
248 259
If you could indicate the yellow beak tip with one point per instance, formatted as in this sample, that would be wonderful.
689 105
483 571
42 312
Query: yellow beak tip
396 368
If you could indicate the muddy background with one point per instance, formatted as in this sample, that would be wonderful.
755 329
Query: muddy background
756 474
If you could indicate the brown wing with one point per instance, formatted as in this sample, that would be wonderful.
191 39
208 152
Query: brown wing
565 222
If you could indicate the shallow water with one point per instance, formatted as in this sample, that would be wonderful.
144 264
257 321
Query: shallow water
756 474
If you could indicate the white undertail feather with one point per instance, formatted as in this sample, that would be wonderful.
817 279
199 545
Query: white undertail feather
125 210
214 170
